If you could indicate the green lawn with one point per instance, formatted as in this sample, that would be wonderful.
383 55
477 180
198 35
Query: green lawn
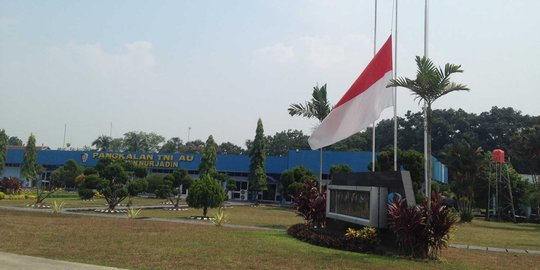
144 244
262 216
479 232
498 234
75 202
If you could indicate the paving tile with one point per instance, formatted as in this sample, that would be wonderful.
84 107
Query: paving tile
516 250
497 249
478 248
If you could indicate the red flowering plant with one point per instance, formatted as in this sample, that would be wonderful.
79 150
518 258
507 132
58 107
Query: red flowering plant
311 204
10 185
421 232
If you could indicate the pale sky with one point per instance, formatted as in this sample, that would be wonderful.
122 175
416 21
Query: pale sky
217 66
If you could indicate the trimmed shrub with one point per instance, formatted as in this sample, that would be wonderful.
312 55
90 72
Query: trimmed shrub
205 193
15 197
2 195
86 193
466 216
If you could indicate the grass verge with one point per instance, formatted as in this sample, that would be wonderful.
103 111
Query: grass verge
262 216
75 202
498 234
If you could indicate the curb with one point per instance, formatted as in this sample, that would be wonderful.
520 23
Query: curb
494 249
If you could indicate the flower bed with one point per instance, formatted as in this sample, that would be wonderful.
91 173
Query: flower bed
326 238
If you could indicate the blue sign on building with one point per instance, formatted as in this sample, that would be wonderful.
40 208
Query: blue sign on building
163 162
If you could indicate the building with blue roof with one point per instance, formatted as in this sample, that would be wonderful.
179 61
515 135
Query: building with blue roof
236 166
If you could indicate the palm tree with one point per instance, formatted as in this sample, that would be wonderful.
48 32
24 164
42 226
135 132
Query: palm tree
464 158
430 84
318 107
102 143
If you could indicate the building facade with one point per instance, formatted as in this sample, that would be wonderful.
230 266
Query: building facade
236 166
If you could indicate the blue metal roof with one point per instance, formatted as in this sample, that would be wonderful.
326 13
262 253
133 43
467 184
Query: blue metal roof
358 161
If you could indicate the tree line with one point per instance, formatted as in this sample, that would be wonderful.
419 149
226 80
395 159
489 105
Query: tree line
497 128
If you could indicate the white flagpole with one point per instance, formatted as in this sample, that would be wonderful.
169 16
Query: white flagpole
320 169
374 53
427 159
395 89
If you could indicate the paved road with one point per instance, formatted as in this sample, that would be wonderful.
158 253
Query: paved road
9 261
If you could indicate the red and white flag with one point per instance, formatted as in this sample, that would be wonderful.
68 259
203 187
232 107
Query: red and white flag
361 105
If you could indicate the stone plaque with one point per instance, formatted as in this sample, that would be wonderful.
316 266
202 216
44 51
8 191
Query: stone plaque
353 203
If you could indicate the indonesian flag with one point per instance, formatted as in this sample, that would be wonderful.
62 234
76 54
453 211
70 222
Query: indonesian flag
361 105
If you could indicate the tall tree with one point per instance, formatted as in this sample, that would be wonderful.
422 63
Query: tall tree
173 145
357 142
142 141
135 142
103 143
154 181
3 150
196 146
257 165
497 127
209 158
464 160
410 160
318 107
339 168
166 188
14 140
292 180
526 148
28 168
430 84
227 181
117 145
282 142
65 175
206 191
230 148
